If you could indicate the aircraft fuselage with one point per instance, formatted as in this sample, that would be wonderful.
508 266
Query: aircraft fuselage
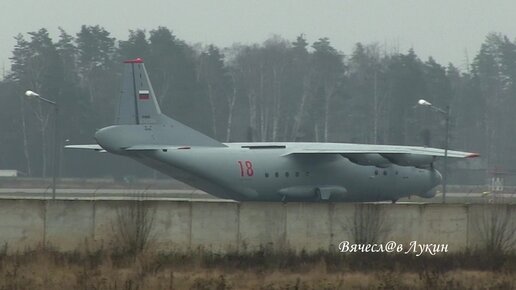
267 174
290 171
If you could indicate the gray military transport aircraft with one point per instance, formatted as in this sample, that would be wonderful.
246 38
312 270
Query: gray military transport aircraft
262 171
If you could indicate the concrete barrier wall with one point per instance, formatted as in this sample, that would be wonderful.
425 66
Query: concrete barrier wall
224 226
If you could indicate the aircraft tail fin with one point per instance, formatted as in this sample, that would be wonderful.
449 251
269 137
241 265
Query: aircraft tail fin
138 106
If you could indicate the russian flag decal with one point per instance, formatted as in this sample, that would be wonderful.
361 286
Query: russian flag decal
143 95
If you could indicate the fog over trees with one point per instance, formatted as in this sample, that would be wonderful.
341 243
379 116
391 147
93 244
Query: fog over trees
278 90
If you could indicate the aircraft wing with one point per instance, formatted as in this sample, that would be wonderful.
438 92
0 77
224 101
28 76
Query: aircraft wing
385 150
97 147
384 155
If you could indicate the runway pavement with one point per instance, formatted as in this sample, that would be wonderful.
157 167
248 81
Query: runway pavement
193 194
106 194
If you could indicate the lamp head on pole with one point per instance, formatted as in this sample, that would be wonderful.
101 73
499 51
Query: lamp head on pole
424 103
31 94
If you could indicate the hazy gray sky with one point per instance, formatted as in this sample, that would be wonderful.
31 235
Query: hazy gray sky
443 29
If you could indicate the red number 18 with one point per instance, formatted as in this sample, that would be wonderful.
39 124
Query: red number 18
247 170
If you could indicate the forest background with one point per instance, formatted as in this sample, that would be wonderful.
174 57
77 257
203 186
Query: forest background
278 90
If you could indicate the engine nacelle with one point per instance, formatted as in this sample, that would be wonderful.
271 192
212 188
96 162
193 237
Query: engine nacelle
368 159
407 159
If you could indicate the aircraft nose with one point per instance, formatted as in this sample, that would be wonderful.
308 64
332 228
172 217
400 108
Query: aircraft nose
437 178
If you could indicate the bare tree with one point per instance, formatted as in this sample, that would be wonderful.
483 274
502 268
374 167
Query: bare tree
133 226
299 114
497 228
231 100
368 224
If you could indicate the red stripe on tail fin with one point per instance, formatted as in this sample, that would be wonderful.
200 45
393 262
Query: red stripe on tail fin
136 60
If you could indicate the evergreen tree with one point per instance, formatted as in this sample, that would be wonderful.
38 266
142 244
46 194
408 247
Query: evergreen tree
406 85
96 52
172 68
327 83
36 66
136 46
298 90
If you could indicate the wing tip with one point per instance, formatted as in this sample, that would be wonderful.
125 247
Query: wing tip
136 60
473 155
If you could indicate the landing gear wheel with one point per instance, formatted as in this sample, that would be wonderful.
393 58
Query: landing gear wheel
318 195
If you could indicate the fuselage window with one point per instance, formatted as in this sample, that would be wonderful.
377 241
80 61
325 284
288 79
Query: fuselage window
276 174
385 172
266 175
376 172
287 174
297 173
307 173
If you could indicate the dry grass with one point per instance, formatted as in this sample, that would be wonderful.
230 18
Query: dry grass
101 269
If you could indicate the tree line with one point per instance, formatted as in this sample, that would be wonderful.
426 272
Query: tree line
278 90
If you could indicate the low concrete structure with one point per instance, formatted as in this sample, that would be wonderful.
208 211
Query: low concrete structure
9 173
228 226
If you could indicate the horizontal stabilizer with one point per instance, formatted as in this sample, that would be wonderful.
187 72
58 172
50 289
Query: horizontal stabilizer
155 147
95 147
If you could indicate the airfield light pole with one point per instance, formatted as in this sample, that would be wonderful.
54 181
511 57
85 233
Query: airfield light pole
446 114
32 94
